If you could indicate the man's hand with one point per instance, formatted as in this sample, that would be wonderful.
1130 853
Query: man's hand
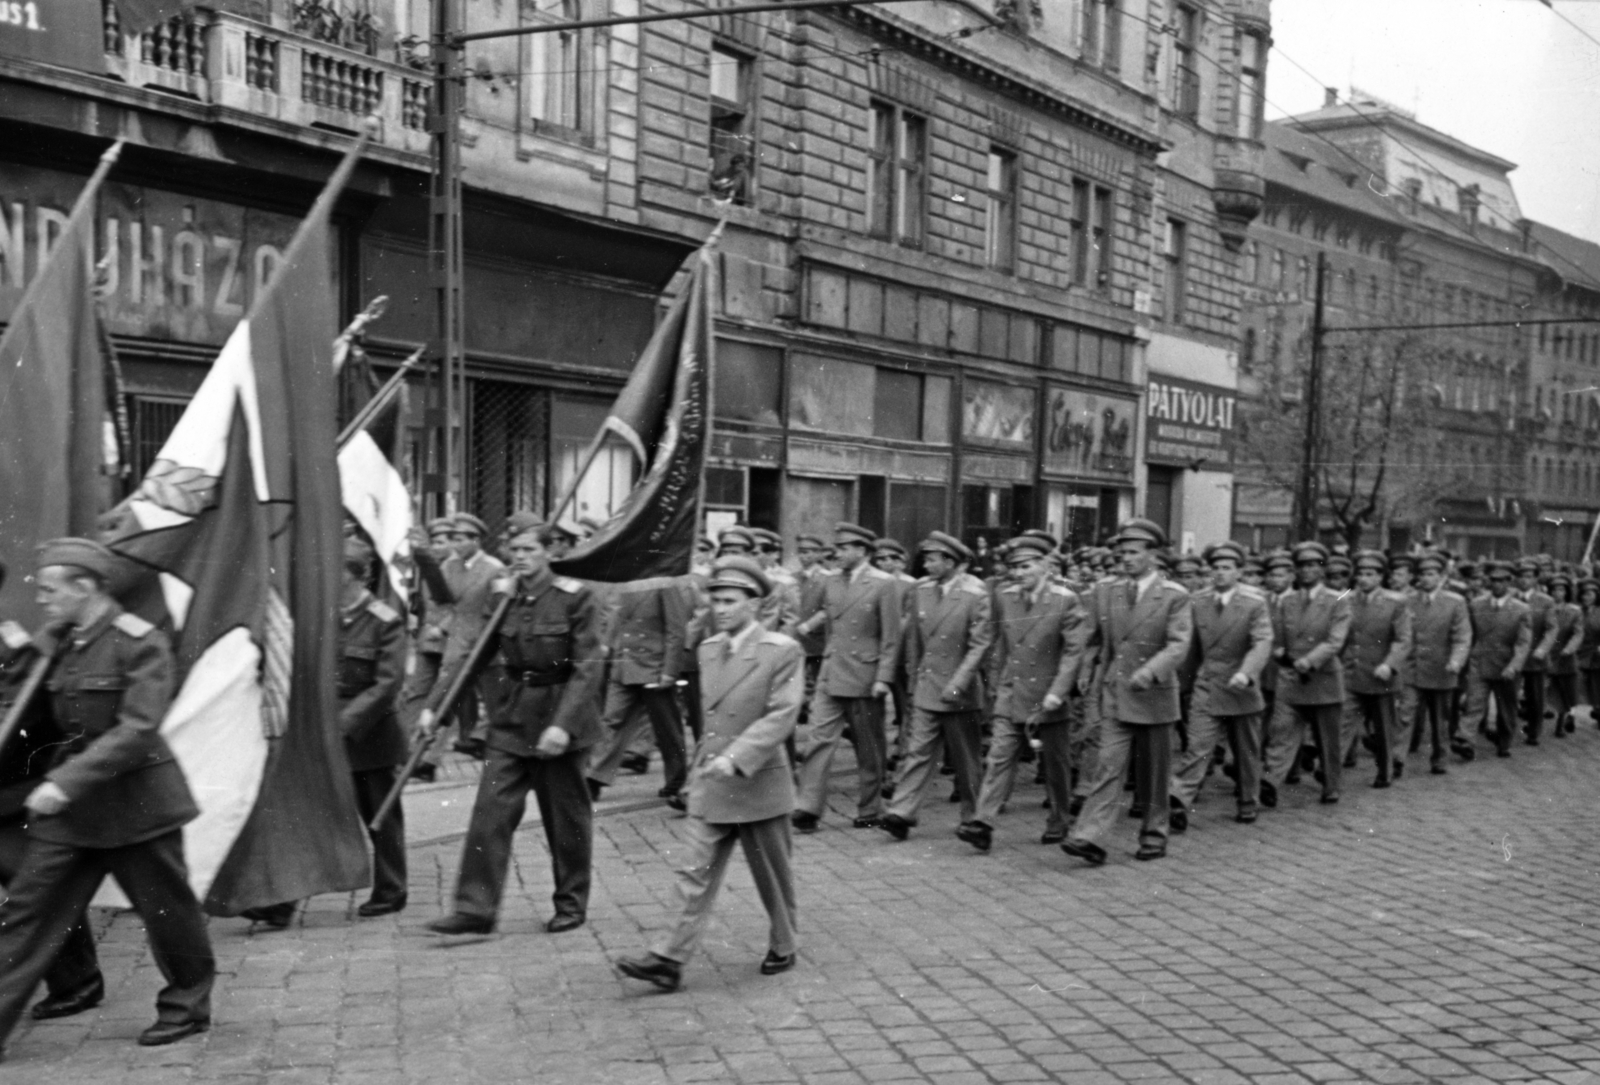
1452 668
1240 680
424 724
1540 654
952 692
1050 703
1383 672
46 799
881 690
1141 680
1302 666
1509 674
664 683
553 742
722 767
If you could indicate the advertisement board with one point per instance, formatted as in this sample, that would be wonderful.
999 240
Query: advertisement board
1189 423
68 33
1088 434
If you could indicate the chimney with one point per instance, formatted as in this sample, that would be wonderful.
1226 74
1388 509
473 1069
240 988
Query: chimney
1330 97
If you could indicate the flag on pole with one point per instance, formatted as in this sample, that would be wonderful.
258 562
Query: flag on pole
663 413
237 528
373 489
53 403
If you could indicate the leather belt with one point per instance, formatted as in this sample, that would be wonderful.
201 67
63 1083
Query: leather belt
535 679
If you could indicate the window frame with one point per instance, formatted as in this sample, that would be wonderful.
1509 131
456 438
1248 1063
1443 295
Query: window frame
1250 109
1000 209
1185 65
1175 285
743 115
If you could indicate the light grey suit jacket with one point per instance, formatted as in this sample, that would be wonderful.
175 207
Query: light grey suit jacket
751 702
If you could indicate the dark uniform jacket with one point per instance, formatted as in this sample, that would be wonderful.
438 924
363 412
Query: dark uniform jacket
109 690
1380 633
1315 630
751 700
1589 650
650 622
946 639
1230 639
1501 637
1038 645
551 664
1152 633
1567 620
1441 635
1541 630
863 639
372 648
32 747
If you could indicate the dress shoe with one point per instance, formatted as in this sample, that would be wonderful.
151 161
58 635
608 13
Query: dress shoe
1148 852
1245 817
803 822
1438 770
667 792
977 834
562 922
1328 800
665 974
678 802
460 923
1178 819
595 788
636 763
1293 777
1136 811
896 826
1532 742
374 908
1399 769
1053 836
955 795
1502 753
425 772
1075 807
276 916
1319 777
887 791
67 1005
774 963
1382 781
170 1032
866 823
1269 795
472 747
1092 854
1308 758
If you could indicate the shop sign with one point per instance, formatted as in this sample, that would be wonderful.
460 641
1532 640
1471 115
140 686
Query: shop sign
1002 413
1189 422
1088 434
67 33
176 267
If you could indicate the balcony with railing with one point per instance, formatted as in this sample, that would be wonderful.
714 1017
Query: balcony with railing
318 75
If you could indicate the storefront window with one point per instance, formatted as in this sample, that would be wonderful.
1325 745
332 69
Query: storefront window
828 395
748 382
915 510
508 442
1001 413
573 424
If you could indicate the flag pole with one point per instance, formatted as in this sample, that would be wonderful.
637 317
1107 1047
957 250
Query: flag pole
380 399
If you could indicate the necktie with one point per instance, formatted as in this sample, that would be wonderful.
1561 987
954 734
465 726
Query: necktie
727 649
1221 605
1133 594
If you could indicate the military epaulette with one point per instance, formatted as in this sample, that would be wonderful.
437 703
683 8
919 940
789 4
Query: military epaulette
569 585
1173 584
1060 589
1252 591
133 625
383 611
14 636
777 639
504 585
1394 596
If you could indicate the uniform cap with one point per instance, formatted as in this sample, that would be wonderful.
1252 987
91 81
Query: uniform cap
1225 551
1430 559
520 523
765 537
740 572
1560 578
1028 548
84 553
1528 565
1495 565
1279 559
1186 563
945 544
809 542
1339 562
1042 535
440 524
1310 551
892 546
465 520
1588 583
1372 559
737 536
1400 559
853 535
1139 530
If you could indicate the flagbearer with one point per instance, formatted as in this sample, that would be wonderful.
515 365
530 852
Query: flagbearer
114 800
540 734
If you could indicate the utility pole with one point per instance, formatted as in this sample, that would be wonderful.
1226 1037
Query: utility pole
441 479
1308 499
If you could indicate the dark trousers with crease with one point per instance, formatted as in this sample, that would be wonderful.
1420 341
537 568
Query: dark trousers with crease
1377 716
389 839
1533 687
693 711
1323 720
1433 707
53 887
76 967
564 806
623 722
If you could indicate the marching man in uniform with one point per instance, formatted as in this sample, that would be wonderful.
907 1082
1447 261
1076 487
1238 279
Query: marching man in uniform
1142 626
113 802
1375 652
861 612
1502 627
1441 639
1232 645
539 737
1312 624
741 790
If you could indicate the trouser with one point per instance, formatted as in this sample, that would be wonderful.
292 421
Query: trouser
1323 721
1006 739
53 887
1480 690
710 846
563 796
902 717
1055 755
829 717
1433 711
813 668
1285 734
622 722
77 967
1373 713
693 710
1407 706
1084 741
389 839
1533 701
1243 734
928 737
1149 747
1565 688
1591 692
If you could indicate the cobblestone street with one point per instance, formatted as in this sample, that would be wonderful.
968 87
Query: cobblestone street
1443 930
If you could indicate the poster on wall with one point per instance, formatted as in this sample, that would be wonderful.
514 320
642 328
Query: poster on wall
1189 424
68 33
1002 413
1088 434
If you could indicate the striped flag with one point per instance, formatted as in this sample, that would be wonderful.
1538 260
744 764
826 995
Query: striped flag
237 532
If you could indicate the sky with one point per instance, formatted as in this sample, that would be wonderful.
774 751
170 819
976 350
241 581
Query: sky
1507 76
